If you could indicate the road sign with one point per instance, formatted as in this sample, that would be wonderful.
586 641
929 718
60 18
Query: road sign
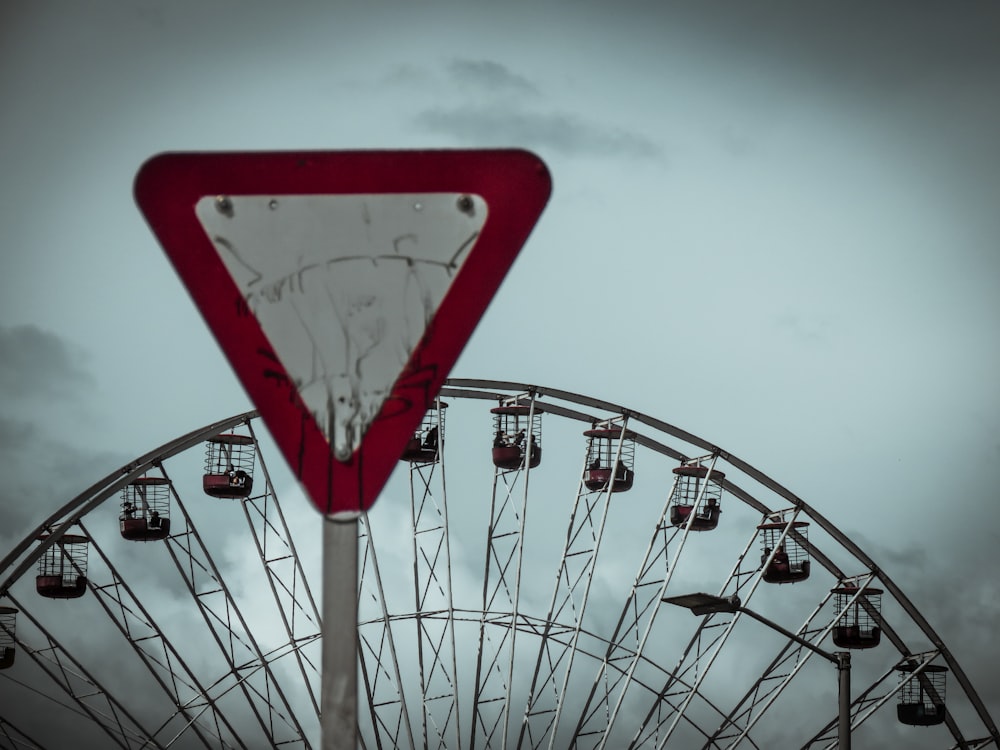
343 286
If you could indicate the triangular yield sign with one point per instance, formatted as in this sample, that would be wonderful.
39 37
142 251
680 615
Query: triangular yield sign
343 285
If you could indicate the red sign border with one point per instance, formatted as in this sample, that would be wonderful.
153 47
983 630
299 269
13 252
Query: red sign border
514 183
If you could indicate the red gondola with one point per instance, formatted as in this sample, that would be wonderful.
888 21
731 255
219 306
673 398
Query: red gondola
857 627
517 431
62 568
786 558
694 483
229 461
425 445
145 509
921 696
606 464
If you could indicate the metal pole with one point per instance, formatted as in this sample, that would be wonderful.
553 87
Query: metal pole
705 604
339 699
844 673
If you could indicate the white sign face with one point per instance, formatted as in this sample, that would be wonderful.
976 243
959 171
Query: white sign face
343 287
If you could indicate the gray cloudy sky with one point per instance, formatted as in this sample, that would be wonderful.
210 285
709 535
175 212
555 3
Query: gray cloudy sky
773 224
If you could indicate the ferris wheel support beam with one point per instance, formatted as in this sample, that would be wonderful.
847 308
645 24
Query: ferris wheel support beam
433 591
766 481
740 579
867 706
841 659
671 567
227 624
636 625
115 719
271 531
570 595
501 579
636 621
384 655
525 470
756 703
893 589
21 739
120 594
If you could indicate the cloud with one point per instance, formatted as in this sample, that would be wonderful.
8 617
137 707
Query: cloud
40 473
37 363
496 110
804 329
559 132
490 76
41 464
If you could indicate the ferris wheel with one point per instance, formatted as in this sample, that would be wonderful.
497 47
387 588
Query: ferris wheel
518 588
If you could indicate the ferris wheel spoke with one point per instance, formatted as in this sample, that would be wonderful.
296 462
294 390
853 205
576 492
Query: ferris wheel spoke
635 623
591 647
432 584
864 705
554 662
379 657
243 656
504 546
15 737
131 620
104 709
491 704
160 656
698 656
851 607
287 582
776 677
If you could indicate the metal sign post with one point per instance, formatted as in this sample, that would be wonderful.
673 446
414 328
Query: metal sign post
339 696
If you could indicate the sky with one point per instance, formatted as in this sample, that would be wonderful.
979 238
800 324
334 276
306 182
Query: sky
773 224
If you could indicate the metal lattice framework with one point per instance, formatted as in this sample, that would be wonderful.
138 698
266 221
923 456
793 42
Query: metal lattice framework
523 610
